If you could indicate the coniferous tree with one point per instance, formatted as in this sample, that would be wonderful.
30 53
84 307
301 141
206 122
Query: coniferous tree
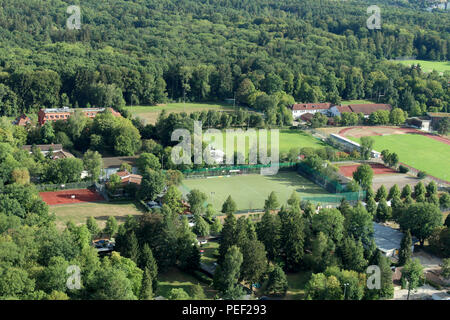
148 262
228 236
406 191
381 193
268 231
277 283
147 286
404 254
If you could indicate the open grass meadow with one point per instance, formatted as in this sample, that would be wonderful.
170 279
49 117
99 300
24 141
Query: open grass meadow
427 66
79 212
418 151
250 191
150 113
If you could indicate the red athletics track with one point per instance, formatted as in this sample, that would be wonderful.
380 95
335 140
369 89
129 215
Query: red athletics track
64 196
377 168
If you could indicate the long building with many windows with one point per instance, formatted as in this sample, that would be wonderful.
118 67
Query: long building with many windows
64 113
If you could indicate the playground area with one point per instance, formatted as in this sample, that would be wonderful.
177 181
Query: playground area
70 196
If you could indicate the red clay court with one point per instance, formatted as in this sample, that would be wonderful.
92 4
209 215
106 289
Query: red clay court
65 196
378 168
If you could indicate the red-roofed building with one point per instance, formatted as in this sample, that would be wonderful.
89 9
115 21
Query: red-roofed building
307 117
128 178
22 120
56 114
366 109
300 109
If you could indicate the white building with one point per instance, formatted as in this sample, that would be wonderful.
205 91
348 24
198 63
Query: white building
300 109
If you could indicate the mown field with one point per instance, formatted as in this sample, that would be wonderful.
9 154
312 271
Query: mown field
250 191
428 66
150 113
418 151
77 213
288 139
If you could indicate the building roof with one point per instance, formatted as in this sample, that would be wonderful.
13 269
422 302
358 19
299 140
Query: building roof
44 147
132 178
62 155
85 110
344 109
368 109
311 106
387 238
439 114
115 162
22 120
306 116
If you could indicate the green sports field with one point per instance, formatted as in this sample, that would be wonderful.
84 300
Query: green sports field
291 138
150 113
418 151
250 191
288 139
428 66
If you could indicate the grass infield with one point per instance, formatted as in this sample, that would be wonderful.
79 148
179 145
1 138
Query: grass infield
418 151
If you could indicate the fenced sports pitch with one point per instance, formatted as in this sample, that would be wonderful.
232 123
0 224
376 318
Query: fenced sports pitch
250 191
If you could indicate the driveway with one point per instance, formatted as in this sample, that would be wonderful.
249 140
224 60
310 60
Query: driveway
422 293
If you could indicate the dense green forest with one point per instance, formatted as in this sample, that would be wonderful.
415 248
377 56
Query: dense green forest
148 51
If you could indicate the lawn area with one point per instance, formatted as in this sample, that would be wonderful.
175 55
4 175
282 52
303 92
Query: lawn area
296 285
427 66
356 102
291 138
175 278
418 151
211 249
250 191
78 213
288 139
150 113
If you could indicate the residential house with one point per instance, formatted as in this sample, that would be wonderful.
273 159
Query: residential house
22 120
112 165
57 150
129 178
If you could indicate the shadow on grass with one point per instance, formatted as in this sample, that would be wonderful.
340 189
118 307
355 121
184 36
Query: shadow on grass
174 279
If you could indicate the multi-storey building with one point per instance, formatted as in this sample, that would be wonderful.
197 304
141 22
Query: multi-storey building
65 113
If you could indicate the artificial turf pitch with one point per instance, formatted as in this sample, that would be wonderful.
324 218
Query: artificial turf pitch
250 191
